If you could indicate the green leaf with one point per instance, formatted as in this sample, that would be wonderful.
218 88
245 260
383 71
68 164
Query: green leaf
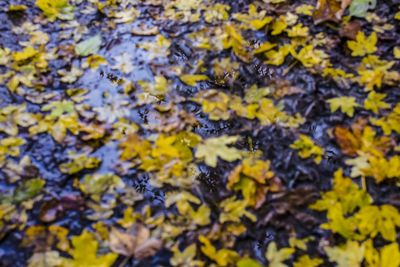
247 262
359 8
89 46
28 189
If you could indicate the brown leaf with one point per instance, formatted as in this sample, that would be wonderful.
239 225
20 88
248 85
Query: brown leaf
348 142
327 10
136 242
55 208
350 30
148 248
122 243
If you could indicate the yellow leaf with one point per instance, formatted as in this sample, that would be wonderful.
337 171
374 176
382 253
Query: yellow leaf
307 148
277 57
298 31
346 193
362 45
374 102
383 220
396 52
349 255
45 259
84 253
25 54
305 10
254 20
233 210
213 148
222 257
345 103
276 256
306 261
191 80
387 256
137 242
186 257
264 47
279 25
53 8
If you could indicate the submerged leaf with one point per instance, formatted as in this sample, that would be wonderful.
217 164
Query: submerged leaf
89 46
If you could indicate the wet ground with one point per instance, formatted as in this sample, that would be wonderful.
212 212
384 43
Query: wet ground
114 93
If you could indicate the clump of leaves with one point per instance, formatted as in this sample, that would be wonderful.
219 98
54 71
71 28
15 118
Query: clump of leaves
53 9
307 148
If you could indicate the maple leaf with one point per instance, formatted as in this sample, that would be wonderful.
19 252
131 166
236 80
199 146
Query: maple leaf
253 20
350 254
361 139
374 220
298 31
59 108
136 242
186 257
222 257
389 123
345 193
249 178
84 253
305 10
214 103
276 256
374 102
277 57
308 148
47 258
213 148
310 57
387 256
363 46
233 210
345 103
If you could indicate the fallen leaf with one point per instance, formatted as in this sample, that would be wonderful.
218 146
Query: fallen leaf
135 242
89 46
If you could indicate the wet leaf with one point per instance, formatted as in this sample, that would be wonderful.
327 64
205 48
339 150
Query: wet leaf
363 45
350 254
276 257
84 252
138 243
346 104
89 46
359 8
212 148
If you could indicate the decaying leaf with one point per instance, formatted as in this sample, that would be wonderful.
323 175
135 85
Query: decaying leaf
135 242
